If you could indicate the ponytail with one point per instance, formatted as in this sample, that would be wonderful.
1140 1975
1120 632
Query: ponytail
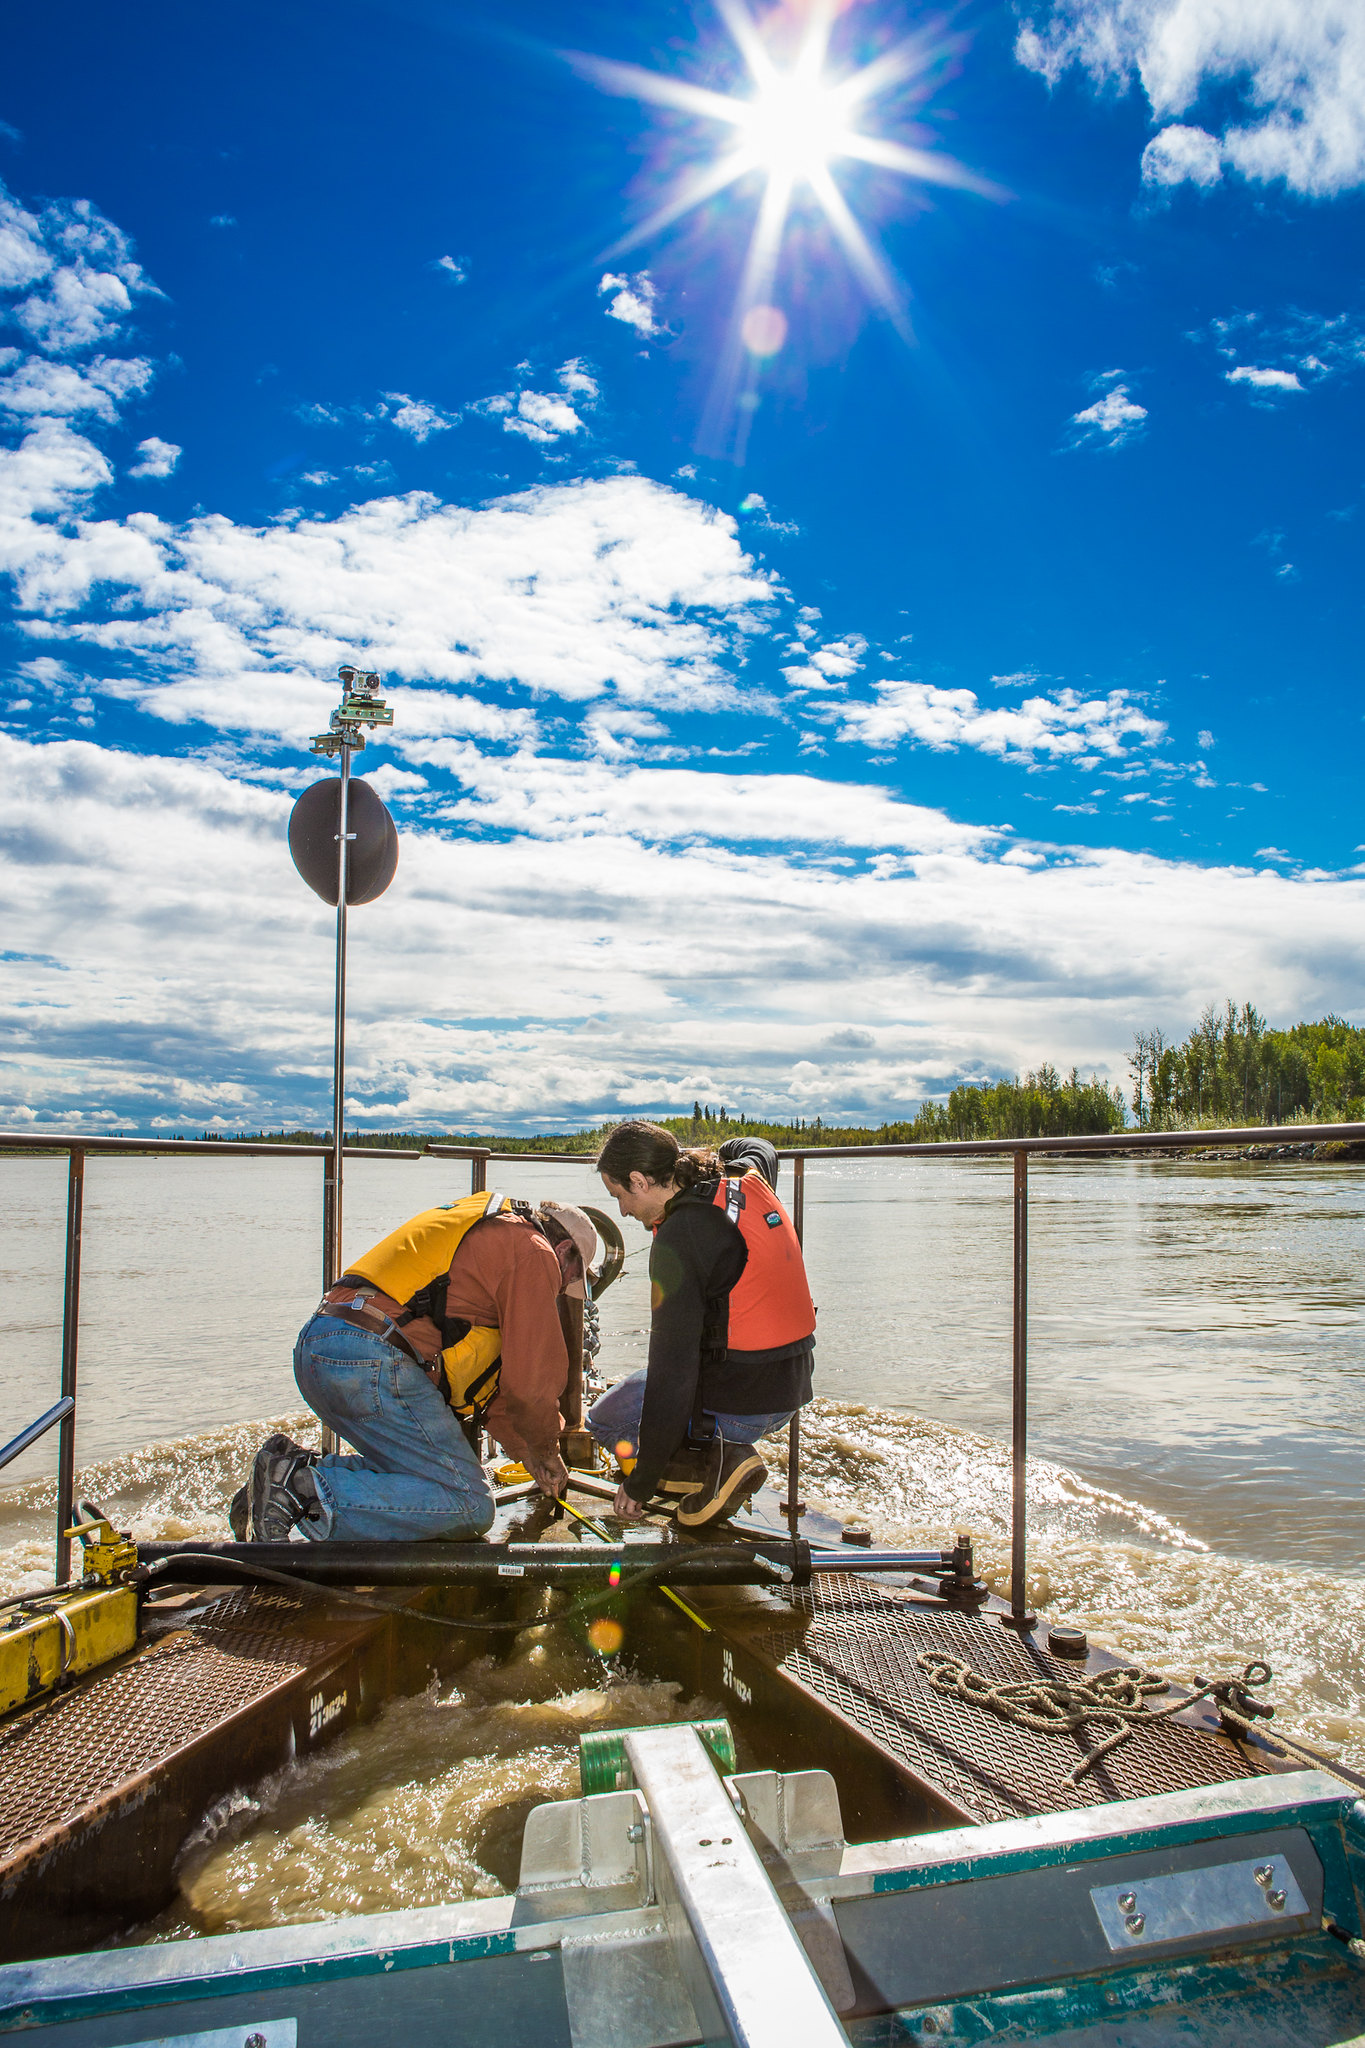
697 1163
639 1146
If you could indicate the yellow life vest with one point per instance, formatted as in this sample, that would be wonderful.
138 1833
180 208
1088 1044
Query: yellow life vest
418 1253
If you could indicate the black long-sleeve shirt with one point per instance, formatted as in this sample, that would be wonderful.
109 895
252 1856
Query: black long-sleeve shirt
697 1256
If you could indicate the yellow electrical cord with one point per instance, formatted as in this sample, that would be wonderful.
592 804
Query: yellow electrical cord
667 1591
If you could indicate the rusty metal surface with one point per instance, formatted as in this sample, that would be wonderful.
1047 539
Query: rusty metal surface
127 1721
854 1645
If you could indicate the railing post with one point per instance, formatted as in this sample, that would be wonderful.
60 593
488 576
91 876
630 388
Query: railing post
478 1174
71 1317
1019 1616
793 1506
329 1187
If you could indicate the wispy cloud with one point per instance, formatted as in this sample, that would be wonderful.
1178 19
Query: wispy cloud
415 417
455 268
1112 420
1294 351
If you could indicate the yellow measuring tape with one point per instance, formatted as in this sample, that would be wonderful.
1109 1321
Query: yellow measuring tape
667 1591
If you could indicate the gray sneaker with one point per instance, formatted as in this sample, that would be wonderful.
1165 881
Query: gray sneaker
282 1490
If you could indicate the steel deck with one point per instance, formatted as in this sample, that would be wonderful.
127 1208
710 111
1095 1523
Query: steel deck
844 1651
99 1787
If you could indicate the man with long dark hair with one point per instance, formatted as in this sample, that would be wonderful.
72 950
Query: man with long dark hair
732 1329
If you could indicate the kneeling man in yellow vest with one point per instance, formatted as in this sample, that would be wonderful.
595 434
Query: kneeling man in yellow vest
448 1326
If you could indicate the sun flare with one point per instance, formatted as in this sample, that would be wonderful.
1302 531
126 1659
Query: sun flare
801 119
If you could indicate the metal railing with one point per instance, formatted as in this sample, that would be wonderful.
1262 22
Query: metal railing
62 1415
1019 1151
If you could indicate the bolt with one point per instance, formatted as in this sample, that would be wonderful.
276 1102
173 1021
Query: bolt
1264 1873
1276 1900
1127 1901
636 1831
1135 1922
705 1841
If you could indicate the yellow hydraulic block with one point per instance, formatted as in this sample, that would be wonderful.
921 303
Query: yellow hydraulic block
69 1634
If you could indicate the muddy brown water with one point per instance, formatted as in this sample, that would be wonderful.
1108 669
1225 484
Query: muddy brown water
1198 1417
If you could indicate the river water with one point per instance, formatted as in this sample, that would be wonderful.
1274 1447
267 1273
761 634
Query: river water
1197 1426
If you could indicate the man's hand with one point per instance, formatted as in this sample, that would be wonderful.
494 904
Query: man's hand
624 1508
550 1474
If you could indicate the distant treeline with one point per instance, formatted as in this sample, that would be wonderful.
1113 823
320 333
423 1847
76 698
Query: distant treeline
1232 1069
1235 1069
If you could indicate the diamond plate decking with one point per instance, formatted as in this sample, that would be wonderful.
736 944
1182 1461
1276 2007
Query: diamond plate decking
852 1648
65 1757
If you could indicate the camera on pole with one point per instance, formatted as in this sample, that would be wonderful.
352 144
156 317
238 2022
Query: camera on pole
345 845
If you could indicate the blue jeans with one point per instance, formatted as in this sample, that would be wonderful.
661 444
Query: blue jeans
614 1419
416 1475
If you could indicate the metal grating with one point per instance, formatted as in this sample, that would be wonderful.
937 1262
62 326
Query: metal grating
854 1647
65 1757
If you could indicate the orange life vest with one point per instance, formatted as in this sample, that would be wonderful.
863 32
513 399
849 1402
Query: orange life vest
770 1303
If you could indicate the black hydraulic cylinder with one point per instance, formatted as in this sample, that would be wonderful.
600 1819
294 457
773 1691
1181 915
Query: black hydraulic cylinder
545 1564
477 1564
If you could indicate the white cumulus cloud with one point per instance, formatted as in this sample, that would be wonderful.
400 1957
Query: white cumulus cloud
544 416
80 267
1062 726
36 386
210 992
1296 69
158 457
1264 380
633 300
1179 155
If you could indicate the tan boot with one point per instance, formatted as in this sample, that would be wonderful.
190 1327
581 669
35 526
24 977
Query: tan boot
736 1471
688 1469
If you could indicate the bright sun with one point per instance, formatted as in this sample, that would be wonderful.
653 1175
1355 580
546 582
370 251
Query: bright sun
794 126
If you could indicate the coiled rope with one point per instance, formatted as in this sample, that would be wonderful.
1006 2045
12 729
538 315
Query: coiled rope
1116 1698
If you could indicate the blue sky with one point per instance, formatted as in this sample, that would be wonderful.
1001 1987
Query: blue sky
824 670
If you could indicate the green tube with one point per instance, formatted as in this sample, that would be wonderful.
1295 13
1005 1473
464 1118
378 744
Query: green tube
603 1765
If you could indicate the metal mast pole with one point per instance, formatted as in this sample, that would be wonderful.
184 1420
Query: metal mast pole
360 706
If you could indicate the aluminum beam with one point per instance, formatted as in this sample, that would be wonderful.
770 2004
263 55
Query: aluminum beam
757 1971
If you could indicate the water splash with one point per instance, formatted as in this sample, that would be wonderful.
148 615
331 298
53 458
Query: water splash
168 1492
424 1805
1133 1579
